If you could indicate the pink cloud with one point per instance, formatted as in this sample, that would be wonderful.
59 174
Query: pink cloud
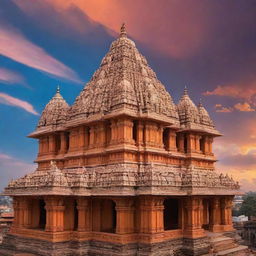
9 100
244 107
12 168
234 91
5 157
10 77
15 46
220 108
184 34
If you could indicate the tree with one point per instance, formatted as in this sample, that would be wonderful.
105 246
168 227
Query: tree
248 207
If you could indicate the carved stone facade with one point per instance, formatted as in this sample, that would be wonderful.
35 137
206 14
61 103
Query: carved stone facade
123 171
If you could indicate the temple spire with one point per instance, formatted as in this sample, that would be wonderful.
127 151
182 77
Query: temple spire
200 104
57 94
185 91
123 31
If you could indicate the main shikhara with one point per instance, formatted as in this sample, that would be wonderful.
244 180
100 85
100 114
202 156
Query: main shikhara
123 171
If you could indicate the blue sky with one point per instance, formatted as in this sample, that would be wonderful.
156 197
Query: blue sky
207 46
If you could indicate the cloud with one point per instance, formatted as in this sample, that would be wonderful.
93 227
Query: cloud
9 100
16 47
12 168
233 91
220 108
183 37
5 157
10 77
244 107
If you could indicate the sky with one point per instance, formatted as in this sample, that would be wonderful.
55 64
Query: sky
207 45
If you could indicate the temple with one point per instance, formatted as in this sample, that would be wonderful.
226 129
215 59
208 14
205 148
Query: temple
123 171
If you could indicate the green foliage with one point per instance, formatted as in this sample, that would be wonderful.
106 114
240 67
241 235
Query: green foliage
248 207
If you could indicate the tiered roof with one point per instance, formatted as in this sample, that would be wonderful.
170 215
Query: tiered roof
192 117
125 84
55 112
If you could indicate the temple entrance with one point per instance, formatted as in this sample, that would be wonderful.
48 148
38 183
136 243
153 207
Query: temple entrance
171 214
206 214
42 214
108 216
75 216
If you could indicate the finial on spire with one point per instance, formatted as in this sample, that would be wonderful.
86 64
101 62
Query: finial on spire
200 102
123 31
185 90
58 89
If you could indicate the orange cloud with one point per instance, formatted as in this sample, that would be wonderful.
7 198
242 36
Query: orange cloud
234 91
9 100
10 77
184 33
220 108
238 160
15 46
244 107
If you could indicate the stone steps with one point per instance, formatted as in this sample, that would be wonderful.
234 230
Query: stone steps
240 250
223 243
226 246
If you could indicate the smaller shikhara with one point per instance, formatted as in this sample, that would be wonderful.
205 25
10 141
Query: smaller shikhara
123 171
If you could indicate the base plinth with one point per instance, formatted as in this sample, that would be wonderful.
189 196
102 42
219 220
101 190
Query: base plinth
13 244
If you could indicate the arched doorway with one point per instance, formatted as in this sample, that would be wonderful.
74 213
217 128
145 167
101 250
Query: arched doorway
42 214
171 214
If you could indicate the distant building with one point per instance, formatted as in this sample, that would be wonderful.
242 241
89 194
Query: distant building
241 218
249 233
6 219
123 171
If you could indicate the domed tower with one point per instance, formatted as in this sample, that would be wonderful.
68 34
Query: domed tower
123 171
55 112
197 130
50 130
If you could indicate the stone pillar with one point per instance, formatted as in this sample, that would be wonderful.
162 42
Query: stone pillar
172 140
63 143
147 131
215 215
197 143
86 137
114 132
210 141
45 145
159 132
181 142
151 214
124 215
54 214
40 146
193 207
92 137
16 212
101 135
191 145
52 144
208 145
26 204
124 128
84 214
226 213
81 137
140 133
